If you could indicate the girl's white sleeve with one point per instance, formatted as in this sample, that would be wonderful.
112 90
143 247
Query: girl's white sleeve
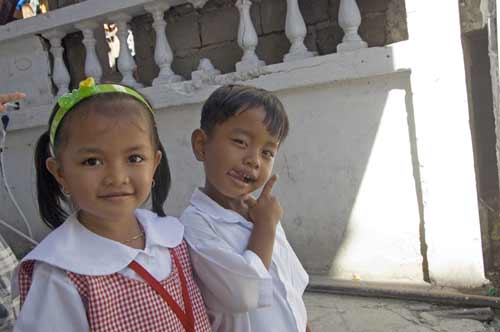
52 303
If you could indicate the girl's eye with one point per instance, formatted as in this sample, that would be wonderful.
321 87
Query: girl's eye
135 158
92 162
268 153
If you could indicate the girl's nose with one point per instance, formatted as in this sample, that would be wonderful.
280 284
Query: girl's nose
117 175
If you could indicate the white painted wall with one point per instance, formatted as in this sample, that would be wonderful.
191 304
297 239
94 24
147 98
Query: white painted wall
444 145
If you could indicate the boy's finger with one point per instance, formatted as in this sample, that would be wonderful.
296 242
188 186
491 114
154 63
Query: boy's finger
268 187
250 201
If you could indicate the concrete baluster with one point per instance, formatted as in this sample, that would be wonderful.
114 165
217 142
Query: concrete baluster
163 53
349 21
60 74
295 30
92 65
126 62
247 38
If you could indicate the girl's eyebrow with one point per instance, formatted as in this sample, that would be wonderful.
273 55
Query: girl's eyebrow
136 148
89 150
97 150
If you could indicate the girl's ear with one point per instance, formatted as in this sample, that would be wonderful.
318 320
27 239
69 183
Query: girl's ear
55 169
198 140
158 157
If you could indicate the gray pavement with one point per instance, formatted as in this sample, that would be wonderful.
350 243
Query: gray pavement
344 313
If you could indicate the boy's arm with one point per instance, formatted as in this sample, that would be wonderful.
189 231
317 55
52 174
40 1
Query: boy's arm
265 213
230 280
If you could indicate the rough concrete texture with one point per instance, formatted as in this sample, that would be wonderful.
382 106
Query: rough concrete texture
342 313
470 15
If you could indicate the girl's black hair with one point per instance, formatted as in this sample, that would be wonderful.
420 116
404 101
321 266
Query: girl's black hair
51 199
229 100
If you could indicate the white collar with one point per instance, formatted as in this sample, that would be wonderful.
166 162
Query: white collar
205 205
74 248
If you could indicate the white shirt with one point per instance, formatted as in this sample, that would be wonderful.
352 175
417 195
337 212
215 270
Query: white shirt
53 303
239 292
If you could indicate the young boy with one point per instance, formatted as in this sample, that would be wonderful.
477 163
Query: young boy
249 275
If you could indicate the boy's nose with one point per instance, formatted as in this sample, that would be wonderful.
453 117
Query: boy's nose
252 159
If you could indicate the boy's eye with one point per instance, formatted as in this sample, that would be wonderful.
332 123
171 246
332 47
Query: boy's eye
92 162
268 153
239 141
135 158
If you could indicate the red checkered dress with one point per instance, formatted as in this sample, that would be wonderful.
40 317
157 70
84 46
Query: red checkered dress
117 303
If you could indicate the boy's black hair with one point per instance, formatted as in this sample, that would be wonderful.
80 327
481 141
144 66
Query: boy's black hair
229 100
49 193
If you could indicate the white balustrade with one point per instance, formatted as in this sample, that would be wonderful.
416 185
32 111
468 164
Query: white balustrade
92 65
206 72
296 31
60 74
349 21
163 52
247 38
126 62
197 3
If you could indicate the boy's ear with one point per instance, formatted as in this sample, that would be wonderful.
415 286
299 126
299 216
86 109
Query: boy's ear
198 140
54 168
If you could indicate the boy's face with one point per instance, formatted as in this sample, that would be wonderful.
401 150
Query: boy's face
238 156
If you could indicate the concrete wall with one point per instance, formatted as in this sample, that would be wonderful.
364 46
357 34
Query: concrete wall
338 222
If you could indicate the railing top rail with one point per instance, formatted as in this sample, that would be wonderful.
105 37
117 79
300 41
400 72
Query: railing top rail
63 19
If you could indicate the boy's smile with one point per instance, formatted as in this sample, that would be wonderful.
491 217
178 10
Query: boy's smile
238 156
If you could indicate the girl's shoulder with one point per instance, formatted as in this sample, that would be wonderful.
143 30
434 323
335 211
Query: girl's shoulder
72 247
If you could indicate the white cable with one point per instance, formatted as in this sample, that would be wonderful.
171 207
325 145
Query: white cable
7 187
18 232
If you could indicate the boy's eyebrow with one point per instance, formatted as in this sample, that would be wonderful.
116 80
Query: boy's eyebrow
274 143
241 131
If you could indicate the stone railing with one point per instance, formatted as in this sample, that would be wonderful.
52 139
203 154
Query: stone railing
90 15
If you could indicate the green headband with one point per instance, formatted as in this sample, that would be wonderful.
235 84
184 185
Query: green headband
86 89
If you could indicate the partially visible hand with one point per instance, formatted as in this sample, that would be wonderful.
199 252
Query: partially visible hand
6 98
265 210
308 327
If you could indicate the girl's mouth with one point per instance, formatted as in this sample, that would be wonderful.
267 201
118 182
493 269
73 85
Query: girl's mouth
115 195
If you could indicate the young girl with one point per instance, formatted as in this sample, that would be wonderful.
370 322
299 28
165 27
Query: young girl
108 266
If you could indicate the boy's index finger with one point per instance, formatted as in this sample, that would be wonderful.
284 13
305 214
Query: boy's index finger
268 187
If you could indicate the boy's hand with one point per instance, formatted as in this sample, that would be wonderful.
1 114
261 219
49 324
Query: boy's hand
266 210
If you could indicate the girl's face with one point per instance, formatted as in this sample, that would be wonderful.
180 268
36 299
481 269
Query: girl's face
107 162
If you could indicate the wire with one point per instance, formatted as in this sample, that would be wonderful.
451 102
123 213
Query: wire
11 195
18 232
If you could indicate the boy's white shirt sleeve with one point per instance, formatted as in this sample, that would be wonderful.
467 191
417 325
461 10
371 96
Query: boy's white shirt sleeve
239 282
52 303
